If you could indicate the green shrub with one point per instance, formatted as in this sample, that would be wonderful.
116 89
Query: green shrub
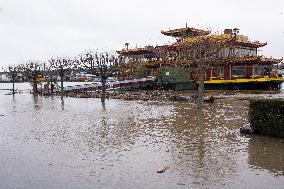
175 75
266 116
142 72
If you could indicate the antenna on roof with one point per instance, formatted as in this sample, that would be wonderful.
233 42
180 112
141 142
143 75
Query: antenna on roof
236 30
185 25
126 45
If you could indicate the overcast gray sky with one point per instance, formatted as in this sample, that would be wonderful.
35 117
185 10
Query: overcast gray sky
40 29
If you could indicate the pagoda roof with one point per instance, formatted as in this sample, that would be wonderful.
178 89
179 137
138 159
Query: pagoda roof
255 44
157 63
185 32
192 41
136 51
238 60
239 40
249 59
270 60
244 41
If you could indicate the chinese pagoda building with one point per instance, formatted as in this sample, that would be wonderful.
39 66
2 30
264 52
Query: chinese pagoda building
147 58
239 68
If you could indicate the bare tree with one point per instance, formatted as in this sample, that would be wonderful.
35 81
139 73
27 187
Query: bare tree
13 72
59 67
102 64
50 75
33 69
20 72
88 62
199 53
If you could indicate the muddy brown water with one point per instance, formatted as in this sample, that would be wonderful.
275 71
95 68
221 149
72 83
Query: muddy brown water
49 142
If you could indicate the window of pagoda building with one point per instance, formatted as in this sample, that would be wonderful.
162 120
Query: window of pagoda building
238 51
257 70
238 71
261 70
266 70
217 72
225 52
140 58
245 51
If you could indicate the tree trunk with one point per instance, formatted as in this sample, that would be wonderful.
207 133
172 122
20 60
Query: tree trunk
34 85
103 97
201 147
61 86
13 80
62 103
51 84
61 80
201 73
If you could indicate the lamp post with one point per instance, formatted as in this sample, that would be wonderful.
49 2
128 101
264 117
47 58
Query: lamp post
126 45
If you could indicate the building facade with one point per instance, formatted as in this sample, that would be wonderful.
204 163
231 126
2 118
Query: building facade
238 67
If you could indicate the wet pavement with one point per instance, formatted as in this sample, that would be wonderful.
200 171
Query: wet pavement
49 142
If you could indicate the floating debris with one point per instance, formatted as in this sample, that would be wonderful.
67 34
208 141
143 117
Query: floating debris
209 99
151 95
178 98
162 169
246 130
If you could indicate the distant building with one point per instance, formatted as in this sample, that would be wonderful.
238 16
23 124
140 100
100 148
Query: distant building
83 76
4 77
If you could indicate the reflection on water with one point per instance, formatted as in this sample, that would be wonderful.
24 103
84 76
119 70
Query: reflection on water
267 153
54 142
62 102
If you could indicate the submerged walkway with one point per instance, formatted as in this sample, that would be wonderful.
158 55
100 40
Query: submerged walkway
111 85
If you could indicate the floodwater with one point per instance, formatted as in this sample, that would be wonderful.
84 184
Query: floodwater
49 142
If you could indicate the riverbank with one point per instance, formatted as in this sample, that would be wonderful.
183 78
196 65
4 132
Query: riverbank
161 95
145 95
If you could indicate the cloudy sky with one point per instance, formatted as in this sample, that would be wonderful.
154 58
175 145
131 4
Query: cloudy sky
40 29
